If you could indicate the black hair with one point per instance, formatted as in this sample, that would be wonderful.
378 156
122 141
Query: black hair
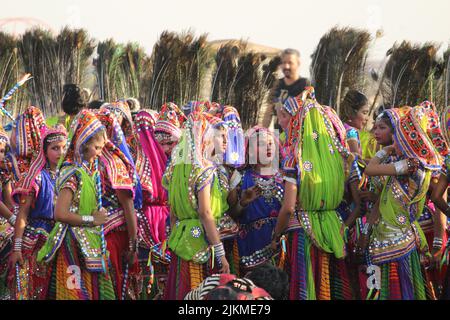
95 104
222 293
74 99
272 279
46 140
352 103
385 118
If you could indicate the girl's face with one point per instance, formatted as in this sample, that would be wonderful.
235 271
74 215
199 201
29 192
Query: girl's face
359 121
266 151
283 118
383 133
94 148
167 146
54 151
2 150
220 141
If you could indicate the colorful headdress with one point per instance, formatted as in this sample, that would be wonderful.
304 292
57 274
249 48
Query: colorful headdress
153 116
157 159
193 105
29 126
292 105
117 137
169 123
410 132
235 154
434 129
190 153
121 108
84 126
10 159
28 181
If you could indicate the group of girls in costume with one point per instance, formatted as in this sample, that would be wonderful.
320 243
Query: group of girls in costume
149 205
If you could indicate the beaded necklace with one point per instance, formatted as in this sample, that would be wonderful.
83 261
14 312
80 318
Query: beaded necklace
269 188
98 184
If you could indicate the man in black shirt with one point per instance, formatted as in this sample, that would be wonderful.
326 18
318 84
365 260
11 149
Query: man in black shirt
292 84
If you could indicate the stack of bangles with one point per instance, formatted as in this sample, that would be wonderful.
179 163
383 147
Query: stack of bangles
407 166
88 221
133 245
381 154
437 243
17 245
219 251
367 229
12 220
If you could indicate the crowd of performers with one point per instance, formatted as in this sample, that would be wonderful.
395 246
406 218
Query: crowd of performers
114 204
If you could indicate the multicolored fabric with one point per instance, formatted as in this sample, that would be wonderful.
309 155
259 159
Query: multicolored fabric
314 274
410 133
27 184
169 123
155 212
29 127
10 170
292 106
235 153
117 137
171 112
247 289
189 172
84 126
319 154
259 218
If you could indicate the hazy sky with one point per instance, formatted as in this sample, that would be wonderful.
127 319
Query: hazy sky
275 23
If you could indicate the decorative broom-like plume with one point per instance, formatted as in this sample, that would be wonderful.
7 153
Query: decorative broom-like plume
242 79
338 64
54 61
108 65
411 74
10 70
179 64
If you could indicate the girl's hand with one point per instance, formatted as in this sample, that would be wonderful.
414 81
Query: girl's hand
250 195
100 217
225 265
368 196
14 258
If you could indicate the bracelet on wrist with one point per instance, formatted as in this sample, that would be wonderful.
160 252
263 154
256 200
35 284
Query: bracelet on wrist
87 221
17 245
12 220
381 154
133 245
366 229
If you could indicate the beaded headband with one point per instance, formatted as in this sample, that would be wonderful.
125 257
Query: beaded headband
56 138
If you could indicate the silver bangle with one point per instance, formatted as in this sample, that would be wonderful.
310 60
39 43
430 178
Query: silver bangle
87 221
381 154
17 245
437 243
12 220
366 229
219 250
401 167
